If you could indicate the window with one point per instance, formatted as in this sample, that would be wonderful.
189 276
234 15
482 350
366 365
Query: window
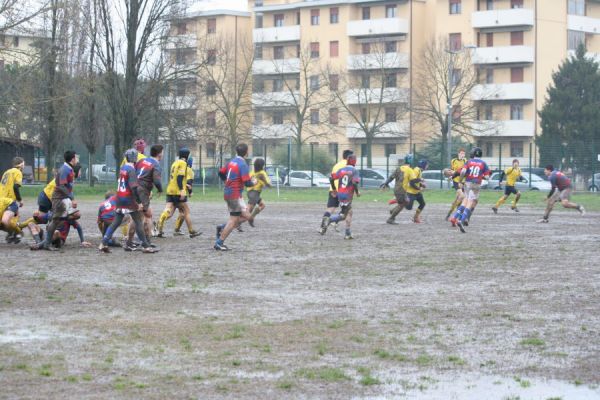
489 75
489 4
211 120
278 52
334 81
516 148
314 50
277 85
516 38
456 76
297 51
258 118
456 113
364 115
314 17
277 117
576 7
516 111
489 149
278 20
363 150
334 48
516 3
366 13
516 74
365 48
489 39
333 116
390 11
297 86
389 149
489 113
258 51
391 47
181 28
455 6
15 41
211 88
180 89
258 3
455 41
334 149
390 80
211 57
211 150
258 21
211 25
365 81
314 82
390 114
334 15
180 57
574 39
314 116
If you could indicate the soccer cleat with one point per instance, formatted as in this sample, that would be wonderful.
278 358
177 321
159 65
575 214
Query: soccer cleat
104 248
220 247
416 219
239 229
391 221
160 235
348 237
543 221
335 226
453 221
194 234
178 233
581 210
42 246
219 230
150 250
495 210
129 247
324 225
515 209
251 222
460 226
466 222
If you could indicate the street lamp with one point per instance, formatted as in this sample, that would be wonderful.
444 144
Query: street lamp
451 95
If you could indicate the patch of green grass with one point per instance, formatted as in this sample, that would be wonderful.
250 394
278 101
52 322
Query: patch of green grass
22 367
577 382
327 374
285 385
109 360
322 348
170 283
532 341
237 332
41 276
336 324
45 370
411 339
198 377
381 353
456 360
71 379
367 379
512 397
524 383
357 339
86 377
555 398
424 359
186 344
236 363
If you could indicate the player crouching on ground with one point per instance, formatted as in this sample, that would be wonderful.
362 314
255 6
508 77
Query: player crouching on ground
236 176
346 181
513 174
128 202
561 191
106 215
401 176
9 211
255 202
416 185
10 186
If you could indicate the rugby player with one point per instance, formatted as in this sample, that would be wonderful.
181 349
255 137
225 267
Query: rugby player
561 191
513 174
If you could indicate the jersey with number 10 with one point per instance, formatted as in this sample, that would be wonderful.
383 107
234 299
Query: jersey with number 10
476 169
346 178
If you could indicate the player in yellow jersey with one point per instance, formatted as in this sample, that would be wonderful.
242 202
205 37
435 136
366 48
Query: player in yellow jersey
332 200
415 188
457 182
9 221
140 145
401 176
189 179
177 194
12 180
255 202
513 174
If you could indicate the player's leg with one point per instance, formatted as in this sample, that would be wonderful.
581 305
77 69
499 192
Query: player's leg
460 194
501 200
565 201
178 224
400 198
138 220
164 216
515 201
421 200
187 216
109 232
348 218
332 204
59 209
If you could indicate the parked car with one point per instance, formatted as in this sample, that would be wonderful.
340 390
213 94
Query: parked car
537 183
373 178
594 185
536 170
432 179
103 174
302 179
272 176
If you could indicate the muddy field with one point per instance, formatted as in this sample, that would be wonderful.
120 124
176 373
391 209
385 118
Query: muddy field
510 310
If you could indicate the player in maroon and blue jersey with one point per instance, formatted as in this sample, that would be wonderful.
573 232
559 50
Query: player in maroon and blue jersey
345 183
106 215
561 191
62 232
128 203
236 176
474 171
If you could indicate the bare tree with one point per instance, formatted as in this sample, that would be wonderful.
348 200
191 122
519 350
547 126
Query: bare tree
16 13
447 76
371 96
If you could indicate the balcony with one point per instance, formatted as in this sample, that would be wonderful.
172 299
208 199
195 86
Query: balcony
276 34
508 18
510 128
377 61
503 55
178 102
583 24
387 130
276 67
377 27
376 95
281 131
275 99
187 41
503 91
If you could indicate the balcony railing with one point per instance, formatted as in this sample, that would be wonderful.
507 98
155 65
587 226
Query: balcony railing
178 102
509 128
276 34
583 24
503 55
377 61
507 18
503 91
186 41
377 95
387 130
377 27
276 67
275 99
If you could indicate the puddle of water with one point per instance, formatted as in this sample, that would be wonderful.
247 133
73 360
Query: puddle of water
24 335
477 387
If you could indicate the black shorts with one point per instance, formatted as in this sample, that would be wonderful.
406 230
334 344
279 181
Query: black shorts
175 199
332 201
254 197
418 197
508 190
456 186
44 203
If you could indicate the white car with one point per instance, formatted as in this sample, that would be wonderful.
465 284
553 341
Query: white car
537 183
303 179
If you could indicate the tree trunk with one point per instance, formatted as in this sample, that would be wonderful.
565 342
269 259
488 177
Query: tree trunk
90 172
369 146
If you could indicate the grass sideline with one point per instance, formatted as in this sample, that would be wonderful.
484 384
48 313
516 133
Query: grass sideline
300 195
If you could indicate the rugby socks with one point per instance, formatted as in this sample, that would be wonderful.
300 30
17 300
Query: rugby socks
255 211
124 230
325 220
13 225
161 221
459 212
465 215
25 223
395 211
348 233
501 201
516 200
178 223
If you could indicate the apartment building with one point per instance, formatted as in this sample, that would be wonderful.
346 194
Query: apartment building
18 47
369 49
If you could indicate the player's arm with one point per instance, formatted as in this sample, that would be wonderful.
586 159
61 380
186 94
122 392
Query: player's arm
157 179
62 186
415 183
79 229
245 174
332 178
502 175
553 183
16 189
265 179
223 174
133 184
389 180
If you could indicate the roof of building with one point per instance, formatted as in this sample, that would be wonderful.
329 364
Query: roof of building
310 4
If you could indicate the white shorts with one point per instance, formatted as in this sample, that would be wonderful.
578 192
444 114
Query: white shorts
473 190
68 207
